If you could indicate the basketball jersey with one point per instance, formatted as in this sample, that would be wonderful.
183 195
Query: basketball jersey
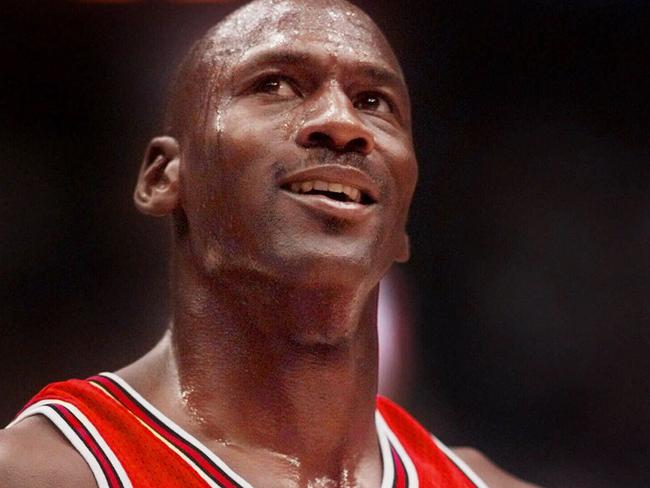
127 442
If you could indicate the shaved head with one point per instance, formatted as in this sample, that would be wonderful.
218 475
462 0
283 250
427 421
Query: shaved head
207 65
275 88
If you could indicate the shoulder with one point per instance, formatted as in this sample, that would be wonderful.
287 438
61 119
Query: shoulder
34 454
489 472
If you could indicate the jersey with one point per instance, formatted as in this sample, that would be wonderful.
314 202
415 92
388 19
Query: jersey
127 442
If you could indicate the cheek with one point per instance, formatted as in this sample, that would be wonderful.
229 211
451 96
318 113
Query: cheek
231 187
402 167
249 131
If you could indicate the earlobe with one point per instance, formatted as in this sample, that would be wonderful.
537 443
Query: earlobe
156 192
405 249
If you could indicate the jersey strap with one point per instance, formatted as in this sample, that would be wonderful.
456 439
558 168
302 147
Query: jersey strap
429 464
120 450
192 452
83 435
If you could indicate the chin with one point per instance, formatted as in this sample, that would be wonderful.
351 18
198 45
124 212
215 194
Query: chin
326 270
316 261
321 258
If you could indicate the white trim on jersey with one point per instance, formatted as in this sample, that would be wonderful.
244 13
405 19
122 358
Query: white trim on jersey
413 481
189 438
462 465
388 464
44 407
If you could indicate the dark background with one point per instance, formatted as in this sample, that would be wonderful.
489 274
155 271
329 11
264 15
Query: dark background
530 271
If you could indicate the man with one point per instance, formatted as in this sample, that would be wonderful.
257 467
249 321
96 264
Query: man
288 168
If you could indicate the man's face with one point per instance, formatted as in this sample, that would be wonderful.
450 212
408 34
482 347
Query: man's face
304 168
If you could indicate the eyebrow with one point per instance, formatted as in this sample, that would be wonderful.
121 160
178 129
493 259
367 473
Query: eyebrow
280 57
376 73
382 76
251 63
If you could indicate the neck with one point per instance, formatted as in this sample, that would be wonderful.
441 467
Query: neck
284 368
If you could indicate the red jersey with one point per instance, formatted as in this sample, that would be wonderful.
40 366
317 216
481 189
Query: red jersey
127 442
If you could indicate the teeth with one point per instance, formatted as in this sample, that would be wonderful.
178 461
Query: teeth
336 187
306 186
320 185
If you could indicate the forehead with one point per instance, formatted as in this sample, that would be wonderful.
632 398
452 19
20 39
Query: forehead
337 28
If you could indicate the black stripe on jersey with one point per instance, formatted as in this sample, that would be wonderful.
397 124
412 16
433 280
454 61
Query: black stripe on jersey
57 408
154 418
398 458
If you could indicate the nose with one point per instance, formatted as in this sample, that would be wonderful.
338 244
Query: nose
334 123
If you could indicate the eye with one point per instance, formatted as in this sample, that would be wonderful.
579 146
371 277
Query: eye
372 102
276 85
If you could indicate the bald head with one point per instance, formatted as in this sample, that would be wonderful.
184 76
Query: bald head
286 89
209 63
262 19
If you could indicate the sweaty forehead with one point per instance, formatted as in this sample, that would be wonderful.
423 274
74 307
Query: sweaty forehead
330 27
337 24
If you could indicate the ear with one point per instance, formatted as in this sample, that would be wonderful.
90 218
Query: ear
156 192
404 250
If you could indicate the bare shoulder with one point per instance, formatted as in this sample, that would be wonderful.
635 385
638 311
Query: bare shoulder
489 472
33 454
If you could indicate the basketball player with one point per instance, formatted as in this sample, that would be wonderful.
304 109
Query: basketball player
288 169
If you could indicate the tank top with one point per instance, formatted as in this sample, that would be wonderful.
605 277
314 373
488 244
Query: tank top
127 442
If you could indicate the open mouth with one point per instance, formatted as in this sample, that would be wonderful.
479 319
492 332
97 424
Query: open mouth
335 191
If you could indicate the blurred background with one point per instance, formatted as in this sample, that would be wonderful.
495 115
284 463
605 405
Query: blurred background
521 324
